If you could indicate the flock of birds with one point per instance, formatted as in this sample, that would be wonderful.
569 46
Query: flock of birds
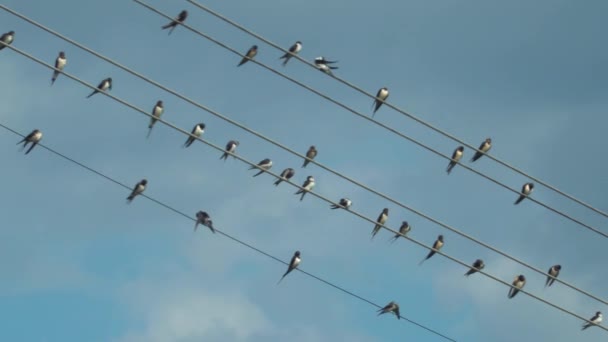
203 218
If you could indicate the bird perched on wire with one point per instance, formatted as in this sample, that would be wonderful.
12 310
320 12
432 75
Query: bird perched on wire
230 148
518 284
485 146
380 221
157 111
310 155
324 65
34 138
196 132
478 265
285 175
595 320
60 63
390 307
103 86
137 190
264 165
181 17
403 230
203 218
7 39
436 247
526 190
344 203
306 187
552 274
249 55
456 156
293 50
293 264
381 96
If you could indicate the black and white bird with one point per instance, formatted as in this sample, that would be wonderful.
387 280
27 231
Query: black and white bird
249 55
344 203
485 146
552 274
310 155
380 221
34 138
203 218
137 190
324 65
293 50
103 86
518 284
178 20
306 187
456 156
264 165
285 175
196 132
390 307
230 148
157 111
403 230
7 39
381 96
595 320
526 190
478 265
436 247
60 63
293 264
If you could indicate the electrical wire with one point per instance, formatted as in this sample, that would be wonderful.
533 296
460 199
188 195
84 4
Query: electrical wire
182 97
420 121
314 194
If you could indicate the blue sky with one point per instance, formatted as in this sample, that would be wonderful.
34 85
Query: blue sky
81 265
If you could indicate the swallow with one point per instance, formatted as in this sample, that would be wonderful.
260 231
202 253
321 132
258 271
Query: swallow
436 247
293 264
249 55
526 190
59 65
103 86
230 148
478 265
390 307
323 64
381 96
7 39
178 20
293 50
485 146
518 284
306 187
456 156
344 203
157 111
196 132
380 221
34 137
264 165
204 219
310 155
595 320
403 230
137 190
285 175
552 274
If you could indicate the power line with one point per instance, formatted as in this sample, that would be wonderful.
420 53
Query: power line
314 194
454 230
411 116
229 236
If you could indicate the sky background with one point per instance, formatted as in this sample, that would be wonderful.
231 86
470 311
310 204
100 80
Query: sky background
78 264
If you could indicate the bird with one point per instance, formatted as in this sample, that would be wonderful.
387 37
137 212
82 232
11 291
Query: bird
344 203
7 39
310 155
518 284
293 264
285 175
456 156
485 146
552 274
403 230
478 265
103 86
595 320
178 20
309 183
324 65
264 165
34 138
390 307
203 218
196 132
381 96
137 190
293 50
59 65
249 55
380 221
230 148
157 111
526 190
436 247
